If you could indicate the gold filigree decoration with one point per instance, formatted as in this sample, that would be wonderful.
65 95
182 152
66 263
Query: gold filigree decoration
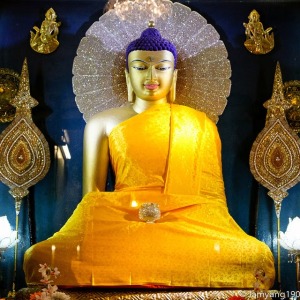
291 90
275 154
25 157
258 39
9 84
44 39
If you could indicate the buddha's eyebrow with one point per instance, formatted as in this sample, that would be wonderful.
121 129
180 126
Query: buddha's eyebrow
163 60
139 60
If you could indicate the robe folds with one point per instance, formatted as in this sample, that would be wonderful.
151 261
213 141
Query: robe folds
169 155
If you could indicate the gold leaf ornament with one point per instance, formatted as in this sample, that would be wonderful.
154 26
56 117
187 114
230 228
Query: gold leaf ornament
25 156
44 39
275 154
258 39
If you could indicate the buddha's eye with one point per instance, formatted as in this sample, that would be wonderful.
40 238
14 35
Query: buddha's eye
139 68
163 68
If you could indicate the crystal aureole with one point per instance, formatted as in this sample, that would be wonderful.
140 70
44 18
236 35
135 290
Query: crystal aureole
203 67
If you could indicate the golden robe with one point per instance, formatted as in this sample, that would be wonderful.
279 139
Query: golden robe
170 155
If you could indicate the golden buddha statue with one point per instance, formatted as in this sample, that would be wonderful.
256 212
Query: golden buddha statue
167 154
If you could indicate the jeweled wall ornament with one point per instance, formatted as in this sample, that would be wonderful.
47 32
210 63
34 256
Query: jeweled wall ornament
275 154
24 152
9 84
25 156
291 91
258 39
44 40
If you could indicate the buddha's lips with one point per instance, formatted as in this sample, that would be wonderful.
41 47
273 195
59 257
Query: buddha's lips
151 86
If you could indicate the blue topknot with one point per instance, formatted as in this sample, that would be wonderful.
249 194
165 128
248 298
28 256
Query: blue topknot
151 40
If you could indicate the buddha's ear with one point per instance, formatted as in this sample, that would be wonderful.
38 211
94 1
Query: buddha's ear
172 93
130 91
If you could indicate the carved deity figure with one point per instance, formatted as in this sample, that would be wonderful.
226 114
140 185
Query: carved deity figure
258 39
44 40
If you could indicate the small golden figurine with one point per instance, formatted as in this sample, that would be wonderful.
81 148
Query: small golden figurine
258 40
44 40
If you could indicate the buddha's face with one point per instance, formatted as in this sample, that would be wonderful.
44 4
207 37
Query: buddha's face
151 73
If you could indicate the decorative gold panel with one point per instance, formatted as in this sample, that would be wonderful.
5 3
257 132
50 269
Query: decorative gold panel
24 152
9 84
275 154
291 91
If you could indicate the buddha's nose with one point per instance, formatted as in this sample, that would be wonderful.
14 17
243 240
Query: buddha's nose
151 75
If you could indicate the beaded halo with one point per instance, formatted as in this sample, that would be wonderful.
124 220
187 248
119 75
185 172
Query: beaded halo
204 70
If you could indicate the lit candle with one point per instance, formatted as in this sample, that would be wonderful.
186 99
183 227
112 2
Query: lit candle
78 252
52 255
134 203
217 247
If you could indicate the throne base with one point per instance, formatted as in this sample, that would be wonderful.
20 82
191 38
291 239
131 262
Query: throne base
151 294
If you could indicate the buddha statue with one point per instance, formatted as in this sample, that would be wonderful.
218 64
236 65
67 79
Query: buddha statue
161 153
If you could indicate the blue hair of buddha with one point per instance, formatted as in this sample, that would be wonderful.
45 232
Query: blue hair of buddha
151 40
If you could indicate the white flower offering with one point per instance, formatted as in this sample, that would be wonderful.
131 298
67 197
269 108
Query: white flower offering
8 237
290 239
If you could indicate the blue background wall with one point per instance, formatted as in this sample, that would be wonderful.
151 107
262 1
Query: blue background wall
53 199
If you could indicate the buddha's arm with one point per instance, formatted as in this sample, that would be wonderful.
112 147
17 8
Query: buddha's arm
95 156
96 148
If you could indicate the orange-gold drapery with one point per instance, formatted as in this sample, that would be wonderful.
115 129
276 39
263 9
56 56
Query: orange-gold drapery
170 155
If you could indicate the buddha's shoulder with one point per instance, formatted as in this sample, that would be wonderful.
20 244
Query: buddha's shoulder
189 110
113 114
110 118
192 113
